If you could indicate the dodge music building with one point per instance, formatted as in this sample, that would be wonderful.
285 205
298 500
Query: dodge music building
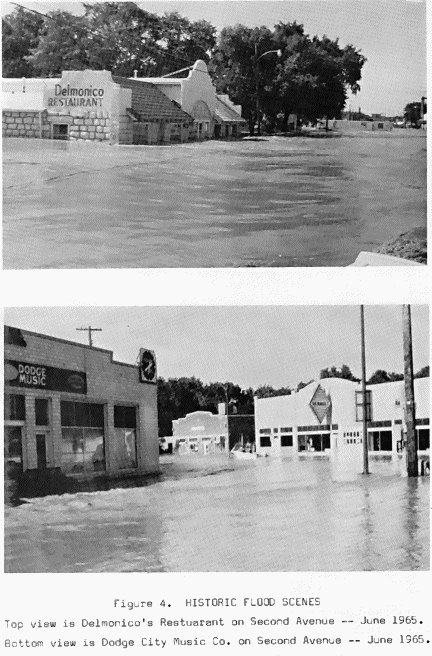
73 413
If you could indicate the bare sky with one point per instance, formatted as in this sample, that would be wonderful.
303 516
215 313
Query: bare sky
278 345
390 33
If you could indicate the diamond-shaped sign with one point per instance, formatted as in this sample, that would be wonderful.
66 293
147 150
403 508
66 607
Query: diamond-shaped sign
320 403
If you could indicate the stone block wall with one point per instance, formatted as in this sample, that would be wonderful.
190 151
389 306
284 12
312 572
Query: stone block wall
32 124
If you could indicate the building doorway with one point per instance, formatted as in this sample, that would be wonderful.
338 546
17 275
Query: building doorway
41 451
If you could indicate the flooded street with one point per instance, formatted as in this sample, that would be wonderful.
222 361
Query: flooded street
273 202
217 514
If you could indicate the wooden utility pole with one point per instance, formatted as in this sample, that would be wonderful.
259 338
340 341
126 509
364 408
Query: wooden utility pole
412 457
90 330
364 402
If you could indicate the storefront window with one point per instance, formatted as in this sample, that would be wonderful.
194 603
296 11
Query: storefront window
125 453
423 439
265 440
314 442
83 448
380 440
286 440
14 407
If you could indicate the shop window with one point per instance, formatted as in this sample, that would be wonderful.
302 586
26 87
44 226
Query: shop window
286 440
14 407
314 442
265 431
125 447
380 441
83 446
42 412
423 439
89 415
265 440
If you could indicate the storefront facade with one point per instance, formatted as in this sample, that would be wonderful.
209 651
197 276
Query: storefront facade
74 413
326 415
93 106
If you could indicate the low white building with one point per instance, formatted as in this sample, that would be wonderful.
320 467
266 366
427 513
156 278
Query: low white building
327 413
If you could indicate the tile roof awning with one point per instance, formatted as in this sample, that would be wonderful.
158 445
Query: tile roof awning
150 104
226 114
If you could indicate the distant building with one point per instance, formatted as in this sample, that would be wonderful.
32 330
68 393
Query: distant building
74 416
361 126
204 432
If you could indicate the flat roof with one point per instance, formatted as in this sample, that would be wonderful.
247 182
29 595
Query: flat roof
66 341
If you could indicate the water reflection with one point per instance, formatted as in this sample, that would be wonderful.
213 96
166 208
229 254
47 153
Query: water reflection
211 514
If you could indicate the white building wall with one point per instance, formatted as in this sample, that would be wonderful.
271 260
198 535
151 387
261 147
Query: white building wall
294 411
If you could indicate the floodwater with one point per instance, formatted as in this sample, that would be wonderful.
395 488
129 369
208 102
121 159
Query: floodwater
216 514
272 202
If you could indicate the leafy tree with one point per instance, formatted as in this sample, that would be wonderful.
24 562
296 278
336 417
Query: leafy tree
344 372
412 113
382 376
237 70
122 38
302 385
62 45
186 41
311 78
21 30
267 391
423 372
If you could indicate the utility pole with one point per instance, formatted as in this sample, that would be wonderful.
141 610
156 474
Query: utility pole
90 330
412 457
364 402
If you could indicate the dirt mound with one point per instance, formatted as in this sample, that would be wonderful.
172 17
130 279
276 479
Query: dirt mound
411 245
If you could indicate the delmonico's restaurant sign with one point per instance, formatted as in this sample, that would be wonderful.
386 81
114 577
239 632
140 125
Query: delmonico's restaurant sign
38 376
81 90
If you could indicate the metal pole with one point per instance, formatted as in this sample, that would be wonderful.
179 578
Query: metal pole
257 91
364 404
412 456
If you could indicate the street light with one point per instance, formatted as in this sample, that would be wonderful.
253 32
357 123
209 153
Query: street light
257 58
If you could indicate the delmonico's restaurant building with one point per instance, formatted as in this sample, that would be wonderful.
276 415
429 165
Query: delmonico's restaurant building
325 418
74 417
97 106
